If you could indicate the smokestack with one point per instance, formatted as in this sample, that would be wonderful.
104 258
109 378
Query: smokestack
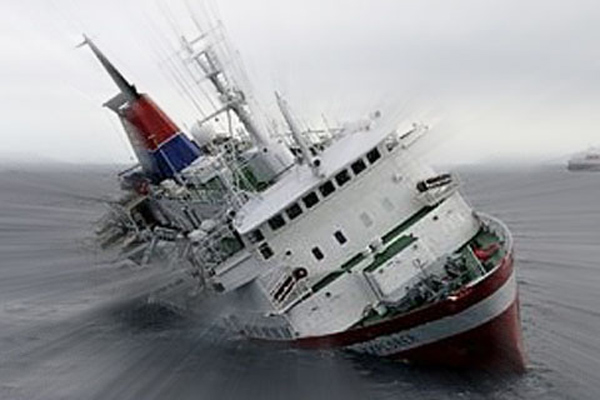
161 147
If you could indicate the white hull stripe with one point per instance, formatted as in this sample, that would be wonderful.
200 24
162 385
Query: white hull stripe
470 318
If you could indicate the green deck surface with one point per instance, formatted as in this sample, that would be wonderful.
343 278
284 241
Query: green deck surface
353 262
483 239
393 249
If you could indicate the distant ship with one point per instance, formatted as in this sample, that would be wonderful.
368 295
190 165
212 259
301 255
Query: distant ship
586 161
344 241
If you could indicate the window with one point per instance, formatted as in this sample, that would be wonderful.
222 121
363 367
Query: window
342 177
339 236
327 188
266 251
276 222
373 155
358 166
256 236
310 199
293 211
318 253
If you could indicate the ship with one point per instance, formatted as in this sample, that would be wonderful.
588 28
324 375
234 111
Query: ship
342 239
585 161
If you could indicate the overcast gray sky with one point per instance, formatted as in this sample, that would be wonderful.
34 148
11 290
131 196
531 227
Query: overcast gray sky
495 79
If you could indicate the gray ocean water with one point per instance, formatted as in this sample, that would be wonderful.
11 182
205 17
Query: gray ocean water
76 324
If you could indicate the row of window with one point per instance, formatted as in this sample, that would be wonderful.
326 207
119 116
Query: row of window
266 251
310 200
326 189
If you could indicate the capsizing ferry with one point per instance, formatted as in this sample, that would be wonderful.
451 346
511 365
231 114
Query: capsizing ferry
344 240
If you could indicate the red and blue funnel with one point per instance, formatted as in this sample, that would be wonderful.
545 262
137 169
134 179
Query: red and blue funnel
162 149
168 148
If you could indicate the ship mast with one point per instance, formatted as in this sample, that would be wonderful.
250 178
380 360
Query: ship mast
232 98
128 91
307 156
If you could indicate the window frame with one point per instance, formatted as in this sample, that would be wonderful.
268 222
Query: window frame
255 236
358 166
346 177
317 253
374 152
312 204
276 225
329 190
340 237
266 251
292 215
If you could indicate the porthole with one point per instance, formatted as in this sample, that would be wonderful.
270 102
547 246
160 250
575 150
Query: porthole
318 253
339 236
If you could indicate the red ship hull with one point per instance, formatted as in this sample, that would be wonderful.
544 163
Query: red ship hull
496 345
477 328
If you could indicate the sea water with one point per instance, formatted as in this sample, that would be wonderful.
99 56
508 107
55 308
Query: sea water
76 323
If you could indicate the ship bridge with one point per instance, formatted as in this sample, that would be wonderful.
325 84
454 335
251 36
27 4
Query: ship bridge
301 180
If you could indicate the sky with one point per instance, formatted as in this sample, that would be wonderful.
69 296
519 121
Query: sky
495 80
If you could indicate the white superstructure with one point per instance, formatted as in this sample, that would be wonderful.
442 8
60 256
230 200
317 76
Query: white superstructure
305 239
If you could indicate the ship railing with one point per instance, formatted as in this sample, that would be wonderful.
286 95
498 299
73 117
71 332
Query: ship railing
498 228
434 287
136 166
122 214
218 246
193 193
231 185
166 234
261 325
226 185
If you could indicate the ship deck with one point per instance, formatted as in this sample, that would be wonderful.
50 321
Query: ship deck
474 269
